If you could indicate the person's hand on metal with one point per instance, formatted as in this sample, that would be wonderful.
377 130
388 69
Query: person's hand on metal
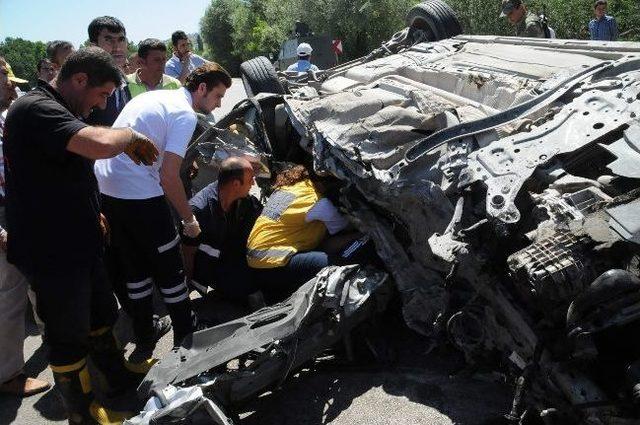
3 240
141 149
191 227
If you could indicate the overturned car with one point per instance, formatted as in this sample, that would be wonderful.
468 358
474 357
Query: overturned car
499 178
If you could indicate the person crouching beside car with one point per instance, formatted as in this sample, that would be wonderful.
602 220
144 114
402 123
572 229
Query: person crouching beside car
288 244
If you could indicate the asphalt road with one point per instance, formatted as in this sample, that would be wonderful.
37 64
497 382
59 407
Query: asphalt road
418 388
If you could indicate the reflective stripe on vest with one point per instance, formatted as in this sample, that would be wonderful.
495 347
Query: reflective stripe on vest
282 230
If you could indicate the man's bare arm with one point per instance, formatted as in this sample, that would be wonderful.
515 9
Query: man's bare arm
172 185
104 142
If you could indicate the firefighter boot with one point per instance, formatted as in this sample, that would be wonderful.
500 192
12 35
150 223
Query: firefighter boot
74 384
108 358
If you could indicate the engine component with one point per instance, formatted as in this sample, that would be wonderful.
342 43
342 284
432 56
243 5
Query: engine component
555 268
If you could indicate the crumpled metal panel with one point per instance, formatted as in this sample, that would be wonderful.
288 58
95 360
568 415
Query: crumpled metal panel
372 124
627 150
172 405
339 290
513 59
625 221
506 164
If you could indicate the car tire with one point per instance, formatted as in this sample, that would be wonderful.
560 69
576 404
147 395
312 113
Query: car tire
259 76
436 18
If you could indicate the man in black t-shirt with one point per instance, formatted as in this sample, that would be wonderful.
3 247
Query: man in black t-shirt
53 221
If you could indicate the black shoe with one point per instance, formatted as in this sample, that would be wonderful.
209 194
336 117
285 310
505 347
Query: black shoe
161 326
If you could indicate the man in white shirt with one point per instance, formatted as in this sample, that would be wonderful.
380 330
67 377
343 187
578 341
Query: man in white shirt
134 200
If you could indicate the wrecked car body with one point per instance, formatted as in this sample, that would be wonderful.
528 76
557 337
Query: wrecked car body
498 178
230 363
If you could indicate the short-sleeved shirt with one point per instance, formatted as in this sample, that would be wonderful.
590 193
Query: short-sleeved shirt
302 66
168 119
605 29
137 86
530 26
52 200
173 67
225 233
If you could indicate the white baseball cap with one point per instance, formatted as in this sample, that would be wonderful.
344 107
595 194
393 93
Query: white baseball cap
304 49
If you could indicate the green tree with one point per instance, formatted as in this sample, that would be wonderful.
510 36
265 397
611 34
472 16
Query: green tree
217 33
23 55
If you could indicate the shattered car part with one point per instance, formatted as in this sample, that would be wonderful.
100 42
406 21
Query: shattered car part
242 358
173 404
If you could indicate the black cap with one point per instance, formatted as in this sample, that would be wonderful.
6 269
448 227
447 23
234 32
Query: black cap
508 6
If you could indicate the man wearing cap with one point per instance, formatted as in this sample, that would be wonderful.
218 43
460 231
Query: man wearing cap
13 285
527 23
304 60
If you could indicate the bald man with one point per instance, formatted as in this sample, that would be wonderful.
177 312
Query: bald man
226 213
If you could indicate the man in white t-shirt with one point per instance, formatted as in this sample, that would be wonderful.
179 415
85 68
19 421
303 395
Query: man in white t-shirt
135 200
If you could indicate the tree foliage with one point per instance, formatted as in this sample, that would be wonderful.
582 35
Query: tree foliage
23 56
237 30
217 31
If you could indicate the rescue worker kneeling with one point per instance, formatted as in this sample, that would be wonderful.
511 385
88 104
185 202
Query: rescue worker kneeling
226 213
284 244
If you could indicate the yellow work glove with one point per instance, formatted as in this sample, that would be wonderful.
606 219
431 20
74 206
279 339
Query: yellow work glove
140 149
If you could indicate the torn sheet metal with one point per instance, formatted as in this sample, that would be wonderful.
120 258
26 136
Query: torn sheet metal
627 152
336 292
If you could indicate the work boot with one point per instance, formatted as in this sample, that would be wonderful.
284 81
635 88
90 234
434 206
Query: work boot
108 358
74 384
161 326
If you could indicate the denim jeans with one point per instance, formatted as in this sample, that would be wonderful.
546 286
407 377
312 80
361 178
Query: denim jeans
280 282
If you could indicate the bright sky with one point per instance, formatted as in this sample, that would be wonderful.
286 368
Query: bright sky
45 20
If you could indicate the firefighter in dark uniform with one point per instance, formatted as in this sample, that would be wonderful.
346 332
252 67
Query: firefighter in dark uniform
54 223
226 212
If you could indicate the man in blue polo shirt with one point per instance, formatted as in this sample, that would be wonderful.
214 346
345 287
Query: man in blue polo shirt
183 61
603 27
